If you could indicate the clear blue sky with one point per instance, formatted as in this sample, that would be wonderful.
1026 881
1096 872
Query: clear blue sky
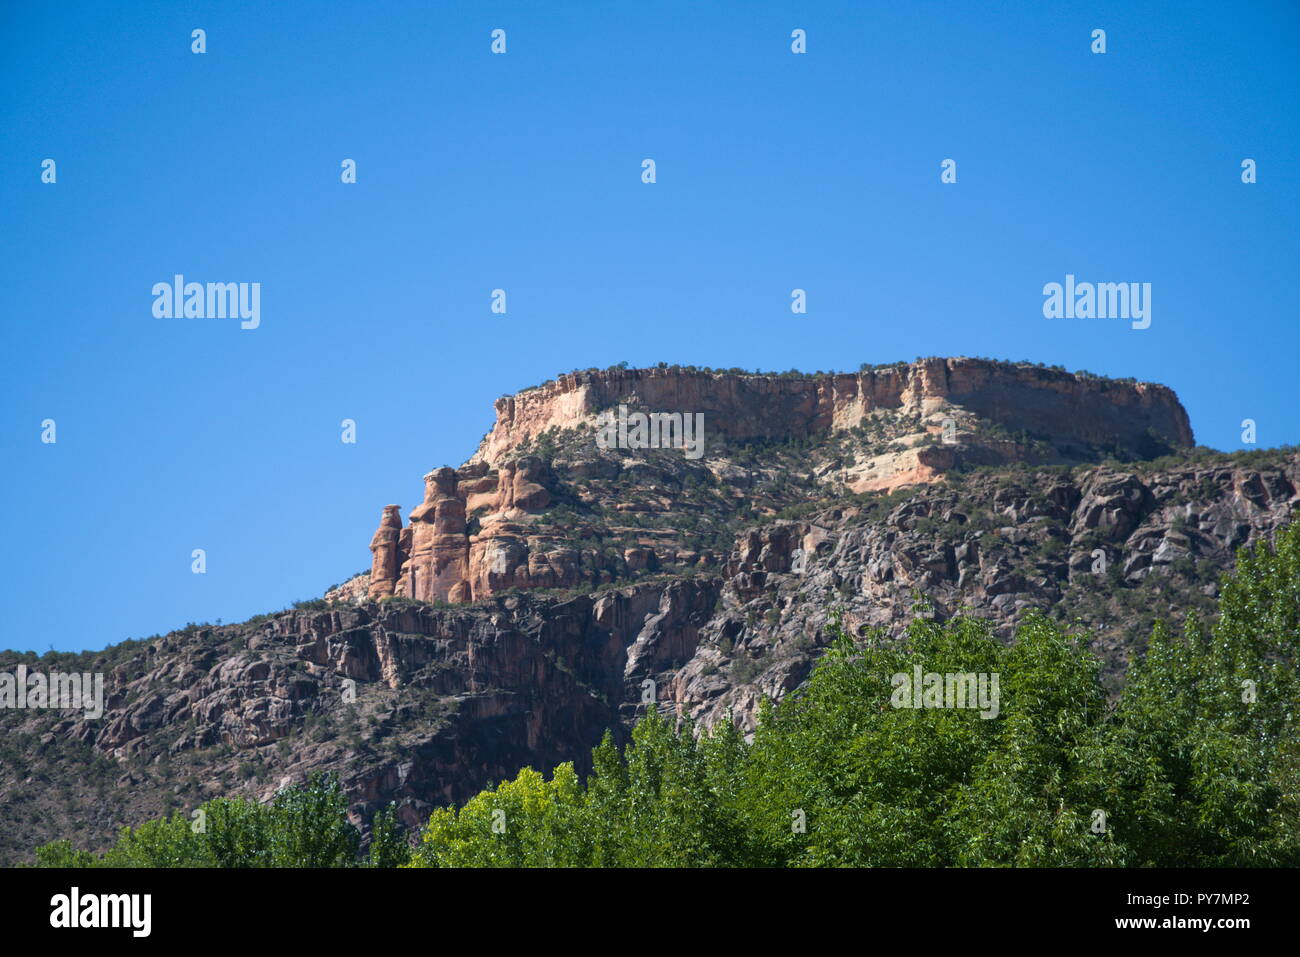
523 172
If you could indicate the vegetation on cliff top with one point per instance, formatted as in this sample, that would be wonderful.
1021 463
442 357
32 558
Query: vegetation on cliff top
865 367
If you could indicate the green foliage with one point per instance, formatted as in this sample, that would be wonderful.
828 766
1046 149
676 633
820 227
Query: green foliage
303 826
527 821
310 826
1213 777
388 846
63 854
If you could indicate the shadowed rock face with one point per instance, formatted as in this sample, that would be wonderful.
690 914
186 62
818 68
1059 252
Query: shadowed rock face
976 406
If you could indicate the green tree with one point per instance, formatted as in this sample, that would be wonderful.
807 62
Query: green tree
311 828
1203 764
388 845
527 822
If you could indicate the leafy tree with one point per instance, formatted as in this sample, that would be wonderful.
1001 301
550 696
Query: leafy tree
303 826
311 827
63 854
388 845
527 822
1204 754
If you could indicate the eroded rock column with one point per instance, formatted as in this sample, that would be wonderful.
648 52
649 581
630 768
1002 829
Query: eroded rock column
439 559
386 563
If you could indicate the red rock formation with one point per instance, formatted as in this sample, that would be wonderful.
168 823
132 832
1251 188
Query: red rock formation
437 558
387 561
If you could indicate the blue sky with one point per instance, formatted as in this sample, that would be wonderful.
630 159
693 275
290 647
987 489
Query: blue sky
523 171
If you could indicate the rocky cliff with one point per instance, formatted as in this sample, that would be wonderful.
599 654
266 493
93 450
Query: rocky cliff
1075 410
907 424
560 589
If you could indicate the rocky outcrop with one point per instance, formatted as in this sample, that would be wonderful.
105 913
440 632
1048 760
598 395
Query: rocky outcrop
436 566
437 558
387 561
1111 549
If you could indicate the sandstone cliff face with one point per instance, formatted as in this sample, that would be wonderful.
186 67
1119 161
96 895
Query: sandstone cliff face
387 560
483 528
1073 409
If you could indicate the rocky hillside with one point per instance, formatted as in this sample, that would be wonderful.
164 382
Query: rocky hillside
634 579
